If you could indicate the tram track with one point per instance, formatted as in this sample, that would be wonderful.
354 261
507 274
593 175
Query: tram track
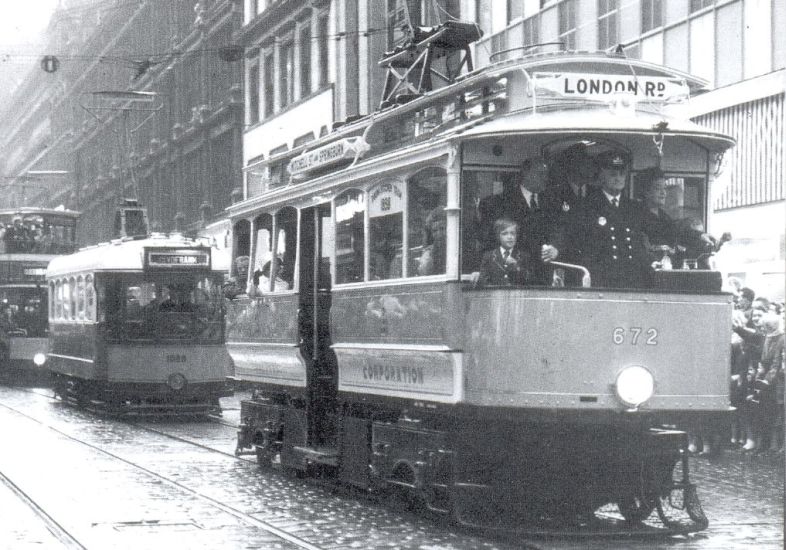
58 531
230 510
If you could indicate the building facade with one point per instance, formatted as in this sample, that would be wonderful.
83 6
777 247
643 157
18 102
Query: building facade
146 103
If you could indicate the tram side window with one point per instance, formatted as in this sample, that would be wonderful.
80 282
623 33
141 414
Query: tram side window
72 296
241 237
283 269
350 236
386 220
80 298
427 222
90 299
263 225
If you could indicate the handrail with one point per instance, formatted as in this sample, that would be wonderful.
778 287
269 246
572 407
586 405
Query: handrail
586 280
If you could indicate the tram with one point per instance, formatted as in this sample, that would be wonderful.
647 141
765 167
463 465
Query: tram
377 360
137 327
31 237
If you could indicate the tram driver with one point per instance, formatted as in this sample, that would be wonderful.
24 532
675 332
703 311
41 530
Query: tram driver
608 232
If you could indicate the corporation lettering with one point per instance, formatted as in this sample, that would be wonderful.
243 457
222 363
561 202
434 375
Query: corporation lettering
394 373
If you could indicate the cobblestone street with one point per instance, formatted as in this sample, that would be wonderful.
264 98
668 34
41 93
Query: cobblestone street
176 484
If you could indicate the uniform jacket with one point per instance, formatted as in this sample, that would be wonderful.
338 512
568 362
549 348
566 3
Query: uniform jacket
610 242
494 272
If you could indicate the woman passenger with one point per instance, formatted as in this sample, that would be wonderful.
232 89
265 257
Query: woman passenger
658 228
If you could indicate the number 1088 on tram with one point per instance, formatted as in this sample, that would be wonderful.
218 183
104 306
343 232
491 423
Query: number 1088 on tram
137 325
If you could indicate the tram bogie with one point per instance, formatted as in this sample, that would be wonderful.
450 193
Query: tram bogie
379 356
137 325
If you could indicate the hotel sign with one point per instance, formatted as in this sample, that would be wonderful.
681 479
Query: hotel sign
327 155
607 87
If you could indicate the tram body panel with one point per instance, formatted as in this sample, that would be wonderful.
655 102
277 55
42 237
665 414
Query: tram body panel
76 349
563 350
146 364
382 347
262 340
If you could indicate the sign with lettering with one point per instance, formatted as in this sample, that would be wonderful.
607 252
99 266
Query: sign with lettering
606 87
385 199
429 375
175 258
343 149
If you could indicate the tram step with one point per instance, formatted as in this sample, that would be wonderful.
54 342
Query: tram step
320 455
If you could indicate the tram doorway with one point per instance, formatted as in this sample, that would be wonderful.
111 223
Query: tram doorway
316 239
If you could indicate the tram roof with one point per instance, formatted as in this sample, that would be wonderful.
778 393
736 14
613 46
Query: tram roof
32 210
598 121
117 255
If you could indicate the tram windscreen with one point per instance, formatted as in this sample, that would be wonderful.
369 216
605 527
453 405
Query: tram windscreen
166 308
24 311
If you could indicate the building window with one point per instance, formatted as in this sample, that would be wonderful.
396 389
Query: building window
287 71
531 31
253 94
651 14
323 50
305 61
567 24
607 24
696 5
515 9
270 84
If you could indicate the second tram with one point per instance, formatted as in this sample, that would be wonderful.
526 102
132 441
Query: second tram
29 238
377 359
137 326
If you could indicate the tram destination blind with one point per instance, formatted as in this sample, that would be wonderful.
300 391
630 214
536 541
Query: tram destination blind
178 259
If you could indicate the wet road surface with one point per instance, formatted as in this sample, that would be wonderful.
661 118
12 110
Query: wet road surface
120 484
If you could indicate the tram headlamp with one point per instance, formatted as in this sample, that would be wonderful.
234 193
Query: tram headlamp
635 385
176 381
39 359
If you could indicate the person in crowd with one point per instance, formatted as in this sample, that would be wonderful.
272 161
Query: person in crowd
506 264
752 344
607 233
432 259
539 230
745 303
262 278
660 232
770 373
236 284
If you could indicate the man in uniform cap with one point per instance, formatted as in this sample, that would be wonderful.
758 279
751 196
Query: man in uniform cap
608 231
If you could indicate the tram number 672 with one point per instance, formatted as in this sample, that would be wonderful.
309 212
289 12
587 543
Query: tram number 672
635 336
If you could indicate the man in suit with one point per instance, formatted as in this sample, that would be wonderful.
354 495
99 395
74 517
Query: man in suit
607 233
538 233
572 175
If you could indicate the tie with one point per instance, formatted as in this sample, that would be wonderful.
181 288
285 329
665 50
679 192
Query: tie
505 255
534 200
615 202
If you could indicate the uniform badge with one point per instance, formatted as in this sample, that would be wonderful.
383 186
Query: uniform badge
565 206
601 221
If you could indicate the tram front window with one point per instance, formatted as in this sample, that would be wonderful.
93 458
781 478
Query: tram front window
182 309
24 311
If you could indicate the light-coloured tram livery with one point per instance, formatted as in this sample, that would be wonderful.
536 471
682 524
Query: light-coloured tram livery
377 359
137 325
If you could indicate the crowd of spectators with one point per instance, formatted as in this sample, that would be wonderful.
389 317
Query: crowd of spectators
757 377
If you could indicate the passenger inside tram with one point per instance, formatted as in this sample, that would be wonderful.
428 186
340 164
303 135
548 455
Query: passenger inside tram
432 258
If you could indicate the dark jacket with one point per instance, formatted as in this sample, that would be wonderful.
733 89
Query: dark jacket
495 272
